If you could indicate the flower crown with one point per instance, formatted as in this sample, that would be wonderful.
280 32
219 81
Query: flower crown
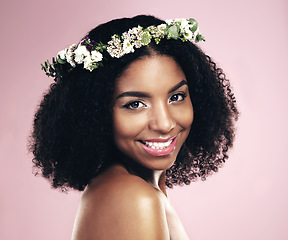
90 53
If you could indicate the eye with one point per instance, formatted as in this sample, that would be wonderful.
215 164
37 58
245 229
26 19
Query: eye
178 97
134 105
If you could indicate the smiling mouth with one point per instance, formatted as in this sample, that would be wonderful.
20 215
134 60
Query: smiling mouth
160 147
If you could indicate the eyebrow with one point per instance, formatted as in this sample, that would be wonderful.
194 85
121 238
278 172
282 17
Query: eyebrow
147 95
183 82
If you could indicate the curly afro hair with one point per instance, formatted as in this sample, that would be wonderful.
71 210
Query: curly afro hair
72 132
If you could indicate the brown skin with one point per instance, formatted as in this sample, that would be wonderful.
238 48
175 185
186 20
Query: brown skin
132 203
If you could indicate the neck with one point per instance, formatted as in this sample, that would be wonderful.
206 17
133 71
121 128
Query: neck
156 178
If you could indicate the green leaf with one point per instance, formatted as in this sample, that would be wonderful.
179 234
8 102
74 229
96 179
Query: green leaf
194 23
173 32
51 69
61 61
146 38
199 38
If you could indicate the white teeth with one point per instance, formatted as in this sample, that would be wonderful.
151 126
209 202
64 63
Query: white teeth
158 145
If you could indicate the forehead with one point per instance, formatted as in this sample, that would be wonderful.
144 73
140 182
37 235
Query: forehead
151 73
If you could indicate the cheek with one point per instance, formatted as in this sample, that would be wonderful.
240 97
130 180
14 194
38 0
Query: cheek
127 125
186 116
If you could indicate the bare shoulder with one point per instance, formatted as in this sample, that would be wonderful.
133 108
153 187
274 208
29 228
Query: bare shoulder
120 206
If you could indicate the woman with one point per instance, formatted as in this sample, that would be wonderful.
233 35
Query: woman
118 124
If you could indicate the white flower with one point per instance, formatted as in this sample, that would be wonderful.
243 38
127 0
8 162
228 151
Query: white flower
127 46
178 20
110 50
70 55
88 63
96 56
81 53
169 21
137 44
184 23
136 30
161 27
115 42
131 34
62 54
188 34
126 36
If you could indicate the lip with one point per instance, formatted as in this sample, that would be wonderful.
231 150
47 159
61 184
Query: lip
160 152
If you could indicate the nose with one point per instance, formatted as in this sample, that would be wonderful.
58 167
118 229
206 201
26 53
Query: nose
162 120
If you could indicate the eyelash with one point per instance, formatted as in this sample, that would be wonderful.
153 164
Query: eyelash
182 95
130 104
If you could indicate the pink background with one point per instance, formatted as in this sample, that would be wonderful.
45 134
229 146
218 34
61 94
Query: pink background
247 199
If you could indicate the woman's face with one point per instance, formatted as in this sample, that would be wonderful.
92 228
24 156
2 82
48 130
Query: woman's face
153 112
